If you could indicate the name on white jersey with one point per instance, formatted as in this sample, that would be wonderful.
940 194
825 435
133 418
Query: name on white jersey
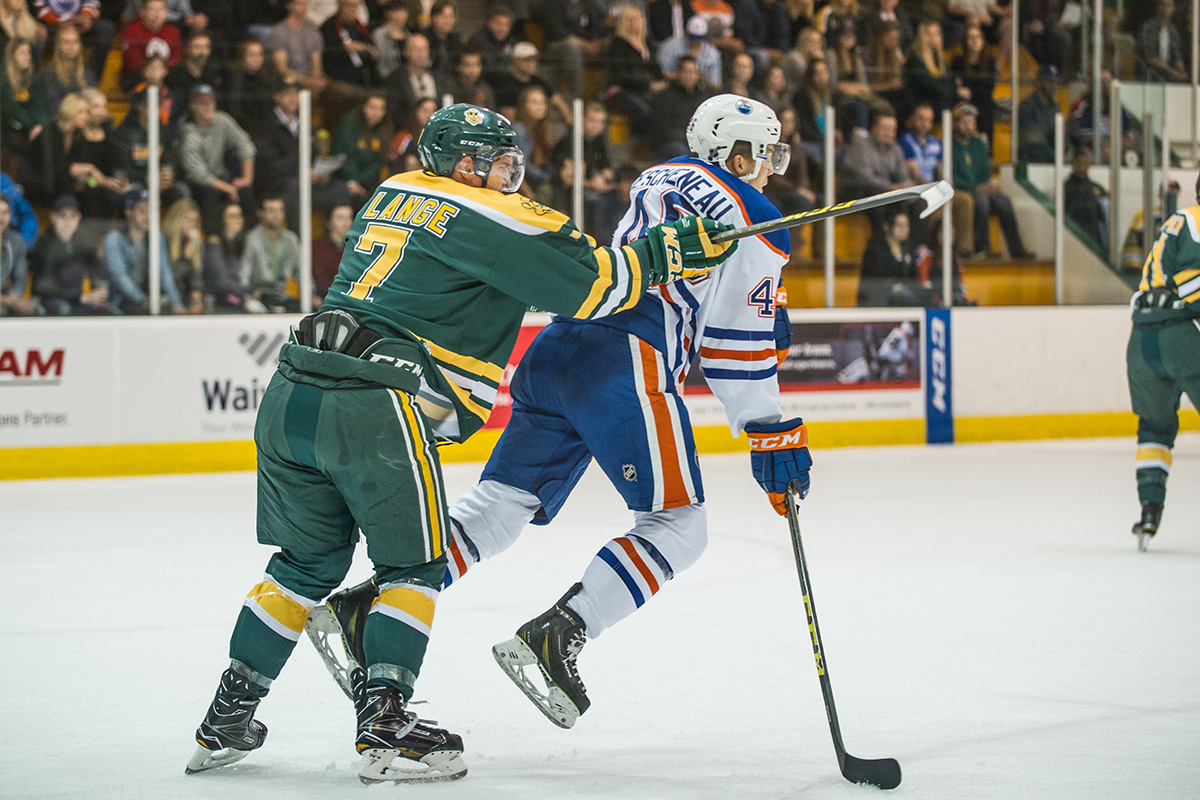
706 197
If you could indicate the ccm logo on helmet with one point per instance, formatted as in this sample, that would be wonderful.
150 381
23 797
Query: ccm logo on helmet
780 441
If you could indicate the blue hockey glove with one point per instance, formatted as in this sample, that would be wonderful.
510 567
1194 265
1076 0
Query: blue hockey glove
778 456
783 330
684 249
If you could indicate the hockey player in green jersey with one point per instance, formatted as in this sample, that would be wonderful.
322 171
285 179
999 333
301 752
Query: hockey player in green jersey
408 350
1163 358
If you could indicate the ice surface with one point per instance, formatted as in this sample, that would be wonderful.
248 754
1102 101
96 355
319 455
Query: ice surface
987 619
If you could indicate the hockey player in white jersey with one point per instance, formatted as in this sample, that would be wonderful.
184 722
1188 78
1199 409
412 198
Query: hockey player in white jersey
609 389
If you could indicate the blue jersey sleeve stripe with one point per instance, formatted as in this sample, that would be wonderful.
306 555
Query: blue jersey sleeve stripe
638 599
739 374
739 335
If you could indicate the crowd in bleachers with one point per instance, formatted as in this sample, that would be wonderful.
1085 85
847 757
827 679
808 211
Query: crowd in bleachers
75 118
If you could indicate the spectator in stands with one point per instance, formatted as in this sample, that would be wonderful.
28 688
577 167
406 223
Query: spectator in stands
414 80
149 34
764 28
923 157
467 84
1133 254
45 173
1081 122
1160 47
349 50
22 105
573 32
277 159
154 73
873 164
633 73
774 91
557 191
530 129
801 13
180 13
522 73
84 16
741 76
495 41
444 41
402 154
185 247
272 257
886 11
848 75
1085 201
673 107
667 18
67 277
96 163
65 72
694 44
830 18
885 65
14 268
1048 42
17 23
196 67
1036 117
21 214
134 138
810 101
602 212
926 75
889 267
810 44
251 82
127 260
210 139
327 250
295 47
363 137
719 16
791 192
975 70
972 173
223 263
390 37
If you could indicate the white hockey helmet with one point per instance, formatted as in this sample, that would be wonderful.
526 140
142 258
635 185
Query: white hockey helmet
722 121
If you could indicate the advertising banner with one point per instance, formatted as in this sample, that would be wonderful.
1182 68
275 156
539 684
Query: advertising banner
939 405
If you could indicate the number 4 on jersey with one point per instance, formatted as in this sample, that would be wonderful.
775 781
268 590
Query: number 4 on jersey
763 297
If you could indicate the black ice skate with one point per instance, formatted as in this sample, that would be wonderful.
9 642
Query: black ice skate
1147 526
396 746
229 731
343 616
552 641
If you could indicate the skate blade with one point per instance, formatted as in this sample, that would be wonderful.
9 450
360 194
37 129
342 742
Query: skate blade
326 636
204 759
389 766
1144 541
513 656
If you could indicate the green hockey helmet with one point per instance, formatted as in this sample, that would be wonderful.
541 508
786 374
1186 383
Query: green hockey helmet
466 130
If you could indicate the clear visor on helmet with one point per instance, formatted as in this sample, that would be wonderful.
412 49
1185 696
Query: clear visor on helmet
779 155
501 168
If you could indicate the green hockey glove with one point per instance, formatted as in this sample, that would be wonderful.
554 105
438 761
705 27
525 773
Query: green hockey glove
684 248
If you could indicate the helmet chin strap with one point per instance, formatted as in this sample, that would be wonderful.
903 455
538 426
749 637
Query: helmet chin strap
758 162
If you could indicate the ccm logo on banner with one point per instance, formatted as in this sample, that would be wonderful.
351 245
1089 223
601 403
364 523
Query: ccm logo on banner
939 406
35 367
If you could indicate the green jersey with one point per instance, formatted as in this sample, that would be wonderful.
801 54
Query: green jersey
455 267
1174 264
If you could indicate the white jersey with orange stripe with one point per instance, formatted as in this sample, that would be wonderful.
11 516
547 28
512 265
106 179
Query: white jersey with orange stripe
726 318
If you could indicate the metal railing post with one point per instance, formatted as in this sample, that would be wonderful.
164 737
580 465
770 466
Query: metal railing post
1098 31
305 166
1148 236
1014 57
1115 153
830 194
947 222
154 235
1060 202
577 156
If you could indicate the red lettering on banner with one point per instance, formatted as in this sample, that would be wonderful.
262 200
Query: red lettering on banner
8 363
502 408
37 364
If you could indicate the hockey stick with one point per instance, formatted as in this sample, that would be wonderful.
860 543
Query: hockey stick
935 195
881 772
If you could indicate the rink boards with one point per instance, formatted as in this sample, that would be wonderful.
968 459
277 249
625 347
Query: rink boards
82 397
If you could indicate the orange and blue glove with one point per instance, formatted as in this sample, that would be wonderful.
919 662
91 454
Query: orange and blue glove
778 456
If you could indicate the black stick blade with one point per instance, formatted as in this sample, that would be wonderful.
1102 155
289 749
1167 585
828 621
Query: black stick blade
881 772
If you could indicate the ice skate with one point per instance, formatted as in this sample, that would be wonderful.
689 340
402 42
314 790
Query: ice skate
343 616
229 731
552 641
396 746
1147 526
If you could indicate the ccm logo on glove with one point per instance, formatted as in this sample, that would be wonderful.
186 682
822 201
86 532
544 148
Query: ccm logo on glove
780 441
